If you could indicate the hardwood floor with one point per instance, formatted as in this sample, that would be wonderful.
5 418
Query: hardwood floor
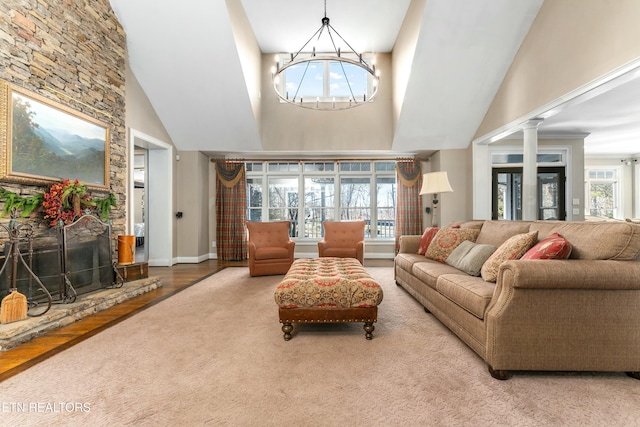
174 279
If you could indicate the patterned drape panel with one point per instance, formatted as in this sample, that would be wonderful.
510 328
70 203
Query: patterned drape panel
231 211
409 202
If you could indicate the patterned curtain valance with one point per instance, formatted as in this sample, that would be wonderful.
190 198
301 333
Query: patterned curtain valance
229 173
409 172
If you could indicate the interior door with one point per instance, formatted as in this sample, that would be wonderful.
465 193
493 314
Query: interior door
551 194
507 193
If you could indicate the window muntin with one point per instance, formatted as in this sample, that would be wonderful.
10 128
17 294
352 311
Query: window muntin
319 166
284 167
385 166
254 166
355 166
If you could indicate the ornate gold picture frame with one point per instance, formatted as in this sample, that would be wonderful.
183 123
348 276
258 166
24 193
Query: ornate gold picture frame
43 141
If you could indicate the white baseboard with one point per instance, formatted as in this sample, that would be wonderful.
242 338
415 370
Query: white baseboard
192 260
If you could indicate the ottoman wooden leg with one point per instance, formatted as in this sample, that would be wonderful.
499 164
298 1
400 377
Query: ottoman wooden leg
368 329
287 328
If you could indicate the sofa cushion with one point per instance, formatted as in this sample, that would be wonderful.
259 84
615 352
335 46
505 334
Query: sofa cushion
469 257
429 270
595 240
447 239
497 232
426 239
471 293
514 248
405 261
553 247
271 252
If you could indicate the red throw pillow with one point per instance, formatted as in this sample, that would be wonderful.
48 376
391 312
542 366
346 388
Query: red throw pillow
553 247
426 239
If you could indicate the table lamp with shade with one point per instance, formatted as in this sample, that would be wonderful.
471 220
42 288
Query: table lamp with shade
434 183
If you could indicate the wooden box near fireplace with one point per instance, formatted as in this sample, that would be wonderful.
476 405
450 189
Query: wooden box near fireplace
135 271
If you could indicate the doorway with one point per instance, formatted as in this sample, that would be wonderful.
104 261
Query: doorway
140 203
158 197
507 193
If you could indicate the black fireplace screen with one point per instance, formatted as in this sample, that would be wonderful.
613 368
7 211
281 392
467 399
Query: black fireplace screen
70 260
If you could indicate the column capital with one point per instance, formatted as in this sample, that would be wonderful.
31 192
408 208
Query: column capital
532 123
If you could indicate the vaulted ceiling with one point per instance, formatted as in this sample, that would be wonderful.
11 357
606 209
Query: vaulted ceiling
186 58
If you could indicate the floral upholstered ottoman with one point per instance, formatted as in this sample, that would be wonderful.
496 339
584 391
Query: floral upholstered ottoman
328 290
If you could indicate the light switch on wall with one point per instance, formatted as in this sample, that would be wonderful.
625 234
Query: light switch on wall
576 211
576 202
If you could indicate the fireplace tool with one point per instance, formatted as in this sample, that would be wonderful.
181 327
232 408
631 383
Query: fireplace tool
15 306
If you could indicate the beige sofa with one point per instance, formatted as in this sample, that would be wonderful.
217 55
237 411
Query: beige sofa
580 314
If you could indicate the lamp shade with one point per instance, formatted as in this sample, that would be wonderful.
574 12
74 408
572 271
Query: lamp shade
435 182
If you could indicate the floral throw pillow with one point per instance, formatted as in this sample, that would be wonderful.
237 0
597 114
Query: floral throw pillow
513 248
553 247
447 239
426 239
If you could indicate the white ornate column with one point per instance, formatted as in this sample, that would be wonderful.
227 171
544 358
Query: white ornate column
530 170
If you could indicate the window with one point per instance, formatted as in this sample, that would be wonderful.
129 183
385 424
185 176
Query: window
254 199
331 190
283 199
601 190
386 204
325 81
319 204
518 158
355 199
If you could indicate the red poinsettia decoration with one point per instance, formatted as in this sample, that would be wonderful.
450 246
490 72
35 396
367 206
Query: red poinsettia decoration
63 202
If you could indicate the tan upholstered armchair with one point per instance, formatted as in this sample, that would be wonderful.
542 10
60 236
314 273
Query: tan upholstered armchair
343 239
270 248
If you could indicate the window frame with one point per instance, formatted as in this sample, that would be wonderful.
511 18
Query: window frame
337 174
326 81
615 180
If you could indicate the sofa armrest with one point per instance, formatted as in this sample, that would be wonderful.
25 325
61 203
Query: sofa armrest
291 246
571 274
409 244
573 315
322 245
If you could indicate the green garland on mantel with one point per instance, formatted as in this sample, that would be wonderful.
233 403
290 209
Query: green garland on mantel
15 201
26 205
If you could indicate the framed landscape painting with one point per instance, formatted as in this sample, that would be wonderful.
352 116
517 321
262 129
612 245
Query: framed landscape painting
42 141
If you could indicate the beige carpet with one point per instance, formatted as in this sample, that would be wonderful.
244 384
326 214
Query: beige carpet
214 355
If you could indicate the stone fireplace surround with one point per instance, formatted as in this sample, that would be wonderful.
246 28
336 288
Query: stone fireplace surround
87 75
